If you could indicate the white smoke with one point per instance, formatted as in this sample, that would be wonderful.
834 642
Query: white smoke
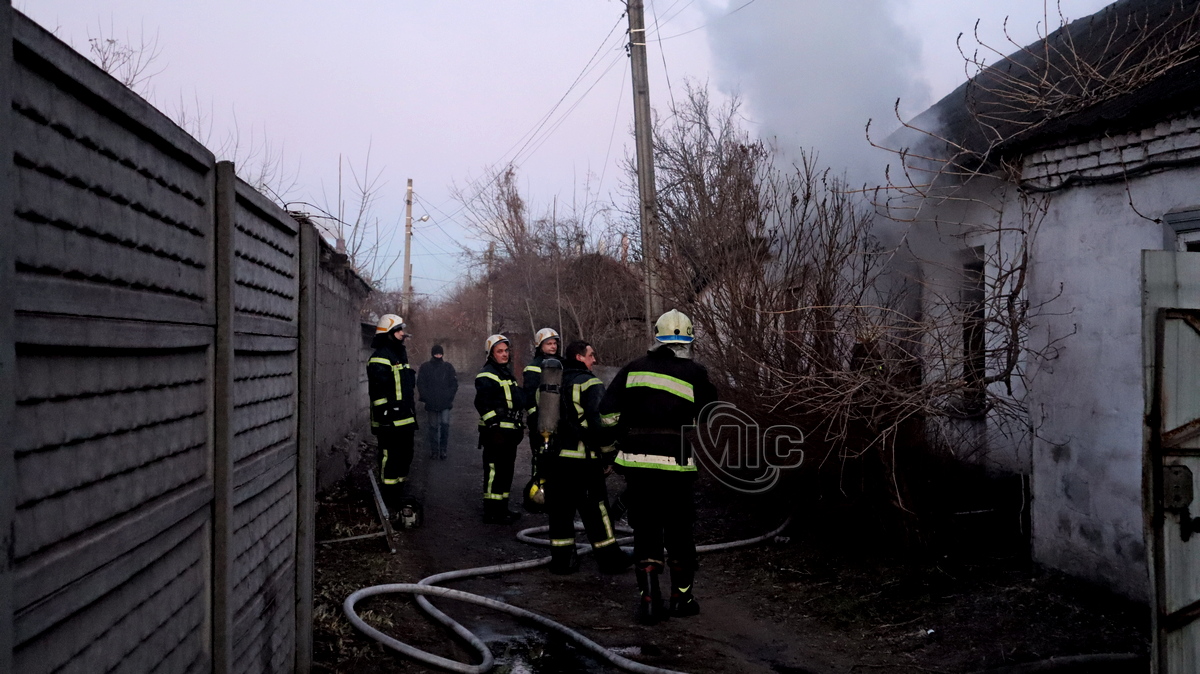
812 72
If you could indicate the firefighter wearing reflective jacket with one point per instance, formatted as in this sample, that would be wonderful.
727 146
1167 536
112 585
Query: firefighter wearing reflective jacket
500 403
391 382
545 346
577 467
650 402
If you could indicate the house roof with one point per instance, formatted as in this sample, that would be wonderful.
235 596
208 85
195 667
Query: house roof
1152 47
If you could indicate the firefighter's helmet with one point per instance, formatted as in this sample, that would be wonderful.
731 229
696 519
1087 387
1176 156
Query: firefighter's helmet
674 327
493 341
534 498
389 322
542 335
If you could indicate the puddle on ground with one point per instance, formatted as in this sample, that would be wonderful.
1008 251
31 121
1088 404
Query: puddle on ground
537 653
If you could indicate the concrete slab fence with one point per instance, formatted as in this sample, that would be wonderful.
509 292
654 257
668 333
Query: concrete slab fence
158 351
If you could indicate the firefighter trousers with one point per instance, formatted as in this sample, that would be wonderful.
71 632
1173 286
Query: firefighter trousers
662 511
499 454
577 485
396 453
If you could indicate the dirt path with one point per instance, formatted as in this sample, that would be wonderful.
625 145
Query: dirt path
782 607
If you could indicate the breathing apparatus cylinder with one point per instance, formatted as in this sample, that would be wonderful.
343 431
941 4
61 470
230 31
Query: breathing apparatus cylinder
549 394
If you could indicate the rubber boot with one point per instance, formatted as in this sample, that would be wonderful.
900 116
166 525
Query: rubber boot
683 603
505 515
650 605
564 560
612 560
491 513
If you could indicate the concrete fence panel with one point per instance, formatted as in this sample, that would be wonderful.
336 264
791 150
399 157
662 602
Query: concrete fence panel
112 254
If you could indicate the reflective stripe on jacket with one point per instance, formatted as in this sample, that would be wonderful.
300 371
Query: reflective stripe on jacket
650 402
580 429
390 382
498 398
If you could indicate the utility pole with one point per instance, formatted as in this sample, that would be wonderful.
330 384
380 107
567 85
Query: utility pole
645 159
407 252
557 265
491 254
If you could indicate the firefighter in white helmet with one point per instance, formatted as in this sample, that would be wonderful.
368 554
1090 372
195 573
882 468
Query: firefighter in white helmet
391 384
501 404
545 346
650 402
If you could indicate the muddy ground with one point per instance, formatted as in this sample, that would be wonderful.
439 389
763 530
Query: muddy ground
800 604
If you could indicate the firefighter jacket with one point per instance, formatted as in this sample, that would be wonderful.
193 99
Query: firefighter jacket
498 398
580 431
649 404
531 379
390 382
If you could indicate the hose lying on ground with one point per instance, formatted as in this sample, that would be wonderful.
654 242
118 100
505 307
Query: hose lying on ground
428 587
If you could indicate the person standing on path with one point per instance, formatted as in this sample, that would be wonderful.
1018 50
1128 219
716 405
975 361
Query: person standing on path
650 402
437 383
545 346
390 382
500 402
578 464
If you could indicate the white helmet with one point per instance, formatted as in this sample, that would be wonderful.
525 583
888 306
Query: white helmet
542 335
674 327
493 341
388 323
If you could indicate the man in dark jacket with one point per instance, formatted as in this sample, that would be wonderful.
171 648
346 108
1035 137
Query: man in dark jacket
437 382
650 402
500 403
577 467
390 382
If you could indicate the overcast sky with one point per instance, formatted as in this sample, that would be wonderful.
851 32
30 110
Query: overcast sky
440 91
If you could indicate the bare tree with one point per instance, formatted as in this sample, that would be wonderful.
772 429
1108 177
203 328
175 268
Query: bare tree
132 62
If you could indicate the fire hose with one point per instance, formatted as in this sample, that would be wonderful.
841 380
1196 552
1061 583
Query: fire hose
428 587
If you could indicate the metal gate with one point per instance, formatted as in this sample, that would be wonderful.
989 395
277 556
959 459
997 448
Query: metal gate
1171 311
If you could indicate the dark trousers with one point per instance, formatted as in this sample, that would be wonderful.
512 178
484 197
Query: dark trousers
662 511
437 431
577 485
499 454
396 453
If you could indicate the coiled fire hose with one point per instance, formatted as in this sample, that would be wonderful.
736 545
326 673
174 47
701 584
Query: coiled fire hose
427 587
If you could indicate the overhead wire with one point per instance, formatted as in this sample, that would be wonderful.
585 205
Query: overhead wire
703 25
538 134
663 53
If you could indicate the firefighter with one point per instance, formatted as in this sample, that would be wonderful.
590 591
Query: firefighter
390 382
546 346
650 402
500 403
577 467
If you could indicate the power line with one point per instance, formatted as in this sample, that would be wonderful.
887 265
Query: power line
663 53
537 130
740 8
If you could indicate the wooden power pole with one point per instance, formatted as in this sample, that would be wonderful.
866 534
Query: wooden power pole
491 254
408 289
645 159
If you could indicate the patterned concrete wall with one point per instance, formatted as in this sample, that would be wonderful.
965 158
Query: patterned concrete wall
341 419
112 243
156 379
266 251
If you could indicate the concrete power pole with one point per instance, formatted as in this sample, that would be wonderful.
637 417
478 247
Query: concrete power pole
407 251
491 254
645 159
